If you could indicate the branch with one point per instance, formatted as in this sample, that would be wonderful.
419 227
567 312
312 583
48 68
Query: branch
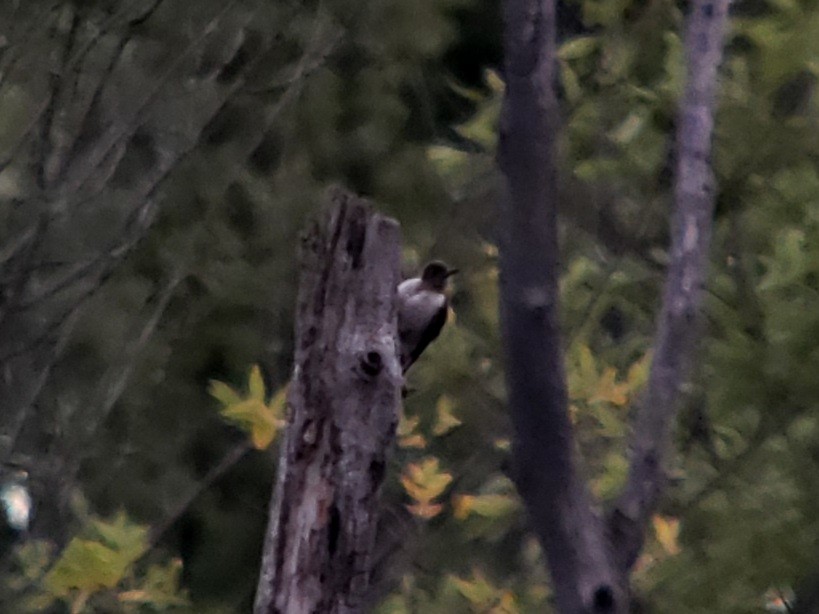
35 27
545 471
120 130
25 408
53 141
233 456
113 383
99 265
678 335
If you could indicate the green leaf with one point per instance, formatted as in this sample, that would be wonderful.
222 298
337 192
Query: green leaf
577 48
159 588
674 65
255 384
445 420
614 476
629 128
570 82
223 393
488 506
87 565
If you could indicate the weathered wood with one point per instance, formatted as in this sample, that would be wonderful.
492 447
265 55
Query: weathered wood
343 404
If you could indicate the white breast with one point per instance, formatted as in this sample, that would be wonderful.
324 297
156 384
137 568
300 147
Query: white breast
417 306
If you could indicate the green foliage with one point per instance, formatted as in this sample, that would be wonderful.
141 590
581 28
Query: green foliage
101 562
101 569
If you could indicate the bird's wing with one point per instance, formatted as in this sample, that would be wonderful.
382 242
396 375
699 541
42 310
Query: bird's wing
429 335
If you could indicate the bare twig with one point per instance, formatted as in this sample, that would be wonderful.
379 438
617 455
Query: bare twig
113 383
133 232
52 133
118 130
233 456
24 409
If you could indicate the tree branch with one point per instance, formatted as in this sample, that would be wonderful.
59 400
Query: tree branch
233 456
678 334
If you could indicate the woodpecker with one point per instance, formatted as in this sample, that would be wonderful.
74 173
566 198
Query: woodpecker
422 310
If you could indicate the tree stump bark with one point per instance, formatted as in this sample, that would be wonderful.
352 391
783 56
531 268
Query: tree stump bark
343 407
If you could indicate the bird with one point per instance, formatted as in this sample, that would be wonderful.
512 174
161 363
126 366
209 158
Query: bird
422 310
15 507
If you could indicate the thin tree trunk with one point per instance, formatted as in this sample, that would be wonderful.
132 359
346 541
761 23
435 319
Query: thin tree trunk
343 404
678 331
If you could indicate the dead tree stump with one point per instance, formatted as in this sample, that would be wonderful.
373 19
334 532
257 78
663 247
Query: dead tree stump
343 408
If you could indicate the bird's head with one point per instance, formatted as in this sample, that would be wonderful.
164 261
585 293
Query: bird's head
436 274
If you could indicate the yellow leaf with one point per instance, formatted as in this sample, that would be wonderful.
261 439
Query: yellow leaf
425 510
507 604
407 425
137 595
424 481
420 492
489 249
413 441
260 420
254 417
502 444
667 531
445 420
255 384
493 505
608 390
435 480
407 437
462 506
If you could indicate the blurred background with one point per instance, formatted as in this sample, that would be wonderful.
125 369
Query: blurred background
158 160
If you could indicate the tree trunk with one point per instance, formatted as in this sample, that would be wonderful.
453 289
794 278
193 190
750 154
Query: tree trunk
343 405
589 561
556 498
678 332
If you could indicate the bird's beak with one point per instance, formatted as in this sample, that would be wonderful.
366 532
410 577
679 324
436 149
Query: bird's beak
451 272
